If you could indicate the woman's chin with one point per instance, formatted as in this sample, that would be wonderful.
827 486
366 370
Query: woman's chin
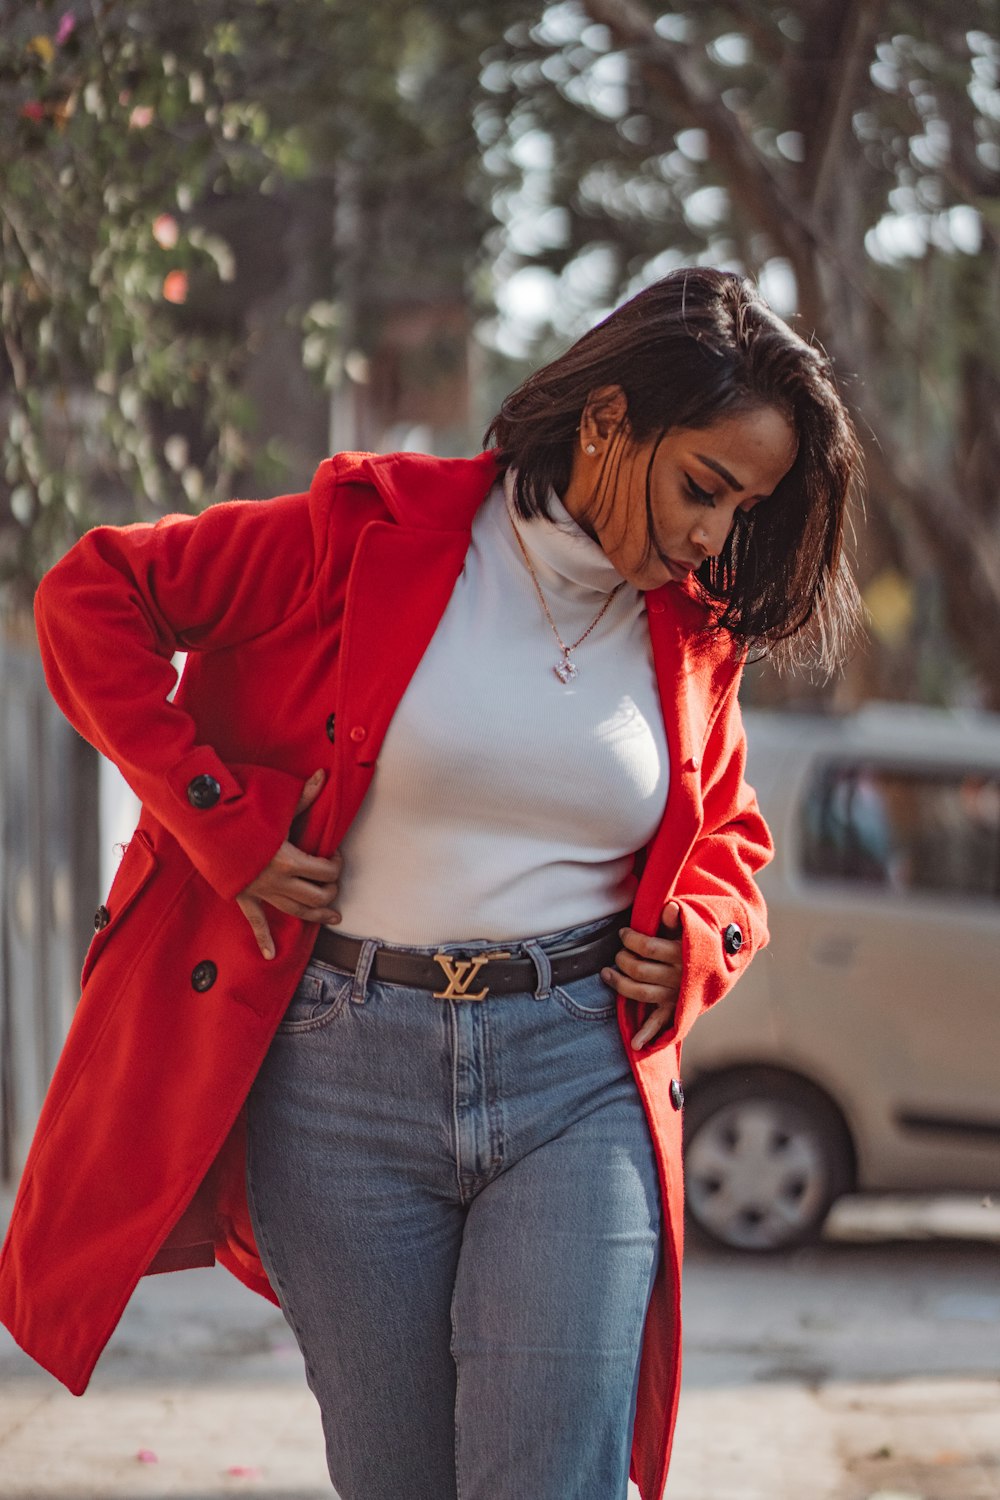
663 573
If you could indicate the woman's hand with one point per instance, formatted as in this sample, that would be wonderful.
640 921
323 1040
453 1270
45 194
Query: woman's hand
649 970
303 885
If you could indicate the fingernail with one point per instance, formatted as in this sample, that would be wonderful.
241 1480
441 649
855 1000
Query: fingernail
267 952
636 1044
606 975
622 931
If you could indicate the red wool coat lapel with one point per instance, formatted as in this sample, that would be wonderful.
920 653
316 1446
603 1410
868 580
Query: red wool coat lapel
304 619
401 583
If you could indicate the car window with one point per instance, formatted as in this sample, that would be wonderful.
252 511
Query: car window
904 830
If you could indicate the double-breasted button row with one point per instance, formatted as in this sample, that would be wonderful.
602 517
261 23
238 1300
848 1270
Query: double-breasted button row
203 791
358 732
203 975
732 938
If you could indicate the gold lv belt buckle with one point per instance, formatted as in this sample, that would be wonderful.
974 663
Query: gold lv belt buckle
461 975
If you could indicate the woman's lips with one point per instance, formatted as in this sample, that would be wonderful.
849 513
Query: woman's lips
678 570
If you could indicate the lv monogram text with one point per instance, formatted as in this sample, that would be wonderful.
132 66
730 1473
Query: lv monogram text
461 974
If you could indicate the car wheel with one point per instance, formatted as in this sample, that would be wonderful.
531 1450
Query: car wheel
765 1155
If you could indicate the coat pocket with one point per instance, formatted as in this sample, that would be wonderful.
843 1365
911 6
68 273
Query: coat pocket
137 866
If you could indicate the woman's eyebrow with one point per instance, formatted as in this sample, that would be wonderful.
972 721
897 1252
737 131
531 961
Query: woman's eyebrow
711 463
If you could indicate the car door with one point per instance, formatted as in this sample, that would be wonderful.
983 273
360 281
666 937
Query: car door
892 941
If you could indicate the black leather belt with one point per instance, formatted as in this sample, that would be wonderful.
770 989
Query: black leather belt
473 976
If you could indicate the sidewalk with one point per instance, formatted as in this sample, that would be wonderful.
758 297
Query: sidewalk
848 1372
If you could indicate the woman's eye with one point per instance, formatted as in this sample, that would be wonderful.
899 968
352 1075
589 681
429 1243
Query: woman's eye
697 494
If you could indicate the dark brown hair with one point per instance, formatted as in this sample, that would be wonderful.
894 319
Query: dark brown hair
698 346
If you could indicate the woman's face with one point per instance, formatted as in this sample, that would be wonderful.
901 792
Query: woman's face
700 478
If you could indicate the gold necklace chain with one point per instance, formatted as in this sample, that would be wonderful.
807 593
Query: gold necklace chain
566 669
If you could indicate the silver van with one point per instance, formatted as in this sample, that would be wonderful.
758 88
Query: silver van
861 1050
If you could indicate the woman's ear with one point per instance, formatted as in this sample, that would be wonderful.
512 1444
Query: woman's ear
605 414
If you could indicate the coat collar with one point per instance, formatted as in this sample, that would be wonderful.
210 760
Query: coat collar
424 491
418 489
431 493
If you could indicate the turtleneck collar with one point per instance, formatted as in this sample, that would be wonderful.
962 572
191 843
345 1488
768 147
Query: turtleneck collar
560 550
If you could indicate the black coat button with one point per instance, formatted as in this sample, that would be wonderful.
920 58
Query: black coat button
204 975
101 918
203 791
732 938
676 1093
331 728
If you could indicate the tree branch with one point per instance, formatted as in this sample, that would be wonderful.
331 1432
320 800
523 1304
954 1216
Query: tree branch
857 28
673 73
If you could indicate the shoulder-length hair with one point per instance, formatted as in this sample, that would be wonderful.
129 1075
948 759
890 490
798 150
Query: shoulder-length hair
695 347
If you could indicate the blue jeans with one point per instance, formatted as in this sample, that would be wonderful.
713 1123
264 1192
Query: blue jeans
457 1205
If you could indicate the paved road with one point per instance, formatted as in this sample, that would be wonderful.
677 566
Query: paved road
846 1372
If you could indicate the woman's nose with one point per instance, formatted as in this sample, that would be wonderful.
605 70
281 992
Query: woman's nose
710 536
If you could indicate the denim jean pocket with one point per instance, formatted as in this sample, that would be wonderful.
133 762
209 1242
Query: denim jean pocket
320 998
587 999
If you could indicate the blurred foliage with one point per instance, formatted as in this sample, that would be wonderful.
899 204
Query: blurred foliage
126 125
868 134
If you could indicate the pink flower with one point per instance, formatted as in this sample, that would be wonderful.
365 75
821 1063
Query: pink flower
165 231
175 286
67 26
33 111
244 1471
146 1456
141 116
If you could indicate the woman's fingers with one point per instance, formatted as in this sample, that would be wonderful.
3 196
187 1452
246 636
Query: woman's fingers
307 910
648 969
306 907
305 899
291 868
310 792
662 950
654 1023
291 863
301 885
671 918
664 972
310 896
663 993
254 913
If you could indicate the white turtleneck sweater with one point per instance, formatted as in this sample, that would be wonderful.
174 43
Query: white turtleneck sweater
505 803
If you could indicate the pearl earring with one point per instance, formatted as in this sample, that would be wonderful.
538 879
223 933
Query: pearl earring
590 448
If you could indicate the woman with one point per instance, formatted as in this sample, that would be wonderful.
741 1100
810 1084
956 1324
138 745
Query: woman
373 1067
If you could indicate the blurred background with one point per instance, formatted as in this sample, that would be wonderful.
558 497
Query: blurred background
237 235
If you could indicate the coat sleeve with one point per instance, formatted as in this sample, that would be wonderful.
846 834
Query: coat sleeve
110 617
723 912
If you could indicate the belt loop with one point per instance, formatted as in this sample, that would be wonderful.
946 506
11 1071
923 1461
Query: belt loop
365 960
543 968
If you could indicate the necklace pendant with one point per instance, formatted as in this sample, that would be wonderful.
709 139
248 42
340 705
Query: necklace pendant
565 670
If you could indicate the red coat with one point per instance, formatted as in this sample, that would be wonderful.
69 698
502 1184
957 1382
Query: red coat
292 611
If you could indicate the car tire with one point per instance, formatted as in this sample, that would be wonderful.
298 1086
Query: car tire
765 1156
